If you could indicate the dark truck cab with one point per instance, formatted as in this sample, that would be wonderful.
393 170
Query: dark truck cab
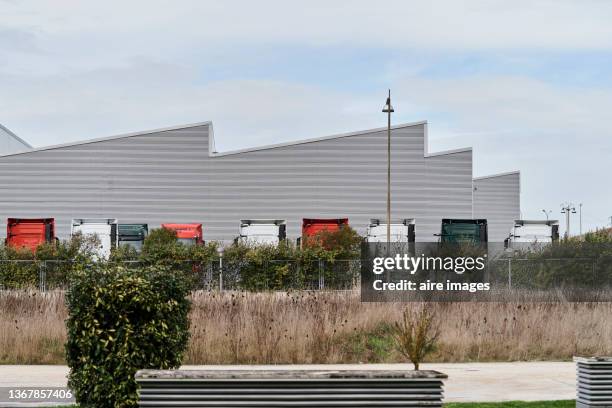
133 235
464 231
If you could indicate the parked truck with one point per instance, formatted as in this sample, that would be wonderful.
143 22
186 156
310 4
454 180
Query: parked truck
105 229
470 231
29 232
401 231
187 234
533 231
312 226
133 235
267 232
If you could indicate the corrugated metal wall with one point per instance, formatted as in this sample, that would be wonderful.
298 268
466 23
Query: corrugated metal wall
10 143
169 176
497 198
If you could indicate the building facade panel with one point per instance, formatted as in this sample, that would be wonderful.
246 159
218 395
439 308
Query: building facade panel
171 176
10 143
497 198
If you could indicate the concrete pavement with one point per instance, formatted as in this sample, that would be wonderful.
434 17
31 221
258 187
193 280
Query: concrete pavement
467 382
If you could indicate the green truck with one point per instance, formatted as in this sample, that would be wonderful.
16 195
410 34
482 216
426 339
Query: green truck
464 231
133 235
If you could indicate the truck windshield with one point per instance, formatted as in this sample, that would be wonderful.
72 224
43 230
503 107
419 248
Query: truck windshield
461 233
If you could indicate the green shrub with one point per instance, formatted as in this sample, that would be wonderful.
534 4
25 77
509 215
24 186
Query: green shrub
162 247
121 320
285 266
18 268
261 267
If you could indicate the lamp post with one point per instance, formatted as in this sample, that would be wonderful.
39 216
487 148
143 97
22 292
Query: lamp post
388 109
547 213
580 220
567 209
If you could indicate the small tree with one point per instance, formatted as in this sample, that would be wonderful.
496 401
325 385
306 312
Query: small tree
121 320
416 335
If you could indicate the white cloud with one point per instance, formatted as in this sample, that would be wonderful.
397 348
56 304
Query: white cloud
450 25
71 70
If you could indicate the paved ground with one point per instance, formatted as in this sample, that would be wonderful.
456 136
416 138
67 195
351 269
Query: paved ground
467 382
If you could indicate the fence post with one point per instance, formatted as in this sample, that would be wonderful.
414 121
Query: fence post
220 273
321 276
42 269
509 273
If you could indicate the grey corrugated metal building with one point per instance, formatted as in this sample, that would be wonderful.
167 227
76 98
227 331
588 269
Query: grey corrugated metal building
175 175
497 198
11 143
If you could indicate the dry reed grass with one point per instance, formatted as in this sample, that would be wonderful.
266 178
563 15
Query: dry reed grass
328 327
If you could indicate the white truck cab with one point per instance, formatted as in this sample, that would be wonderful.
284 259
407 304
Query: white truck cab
266 232
401 231
104 228
534 231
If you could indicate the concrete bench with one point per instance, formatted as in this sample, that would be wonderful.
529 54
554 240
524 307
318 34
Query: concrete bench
273 387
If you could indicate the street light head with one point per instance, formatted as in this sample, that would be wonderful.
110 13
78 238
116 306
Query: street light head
388 107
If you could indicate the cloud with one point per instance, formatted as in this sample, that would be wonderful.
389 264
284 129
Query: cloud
448 25
270 71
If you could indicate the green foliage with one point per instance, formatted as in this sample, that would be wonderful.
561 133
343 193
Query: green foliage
376 345
327 256
55 260
416 335
571 263
246 266
162 247
603 235
261 267
124 253
341 244
121 320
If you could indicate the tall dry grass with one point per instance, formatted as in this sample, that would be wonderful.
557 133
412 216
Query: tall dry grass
309 327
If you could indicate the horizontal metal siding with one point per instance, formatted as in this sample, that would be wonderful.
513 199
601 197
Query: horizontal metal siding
498 200
593 382
340 392
169 177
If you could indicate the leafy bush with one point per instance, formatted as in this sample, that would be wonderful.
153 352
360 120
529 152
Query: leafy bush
341 244
261 267
276 267
54 260
162 247
571 263
18 268
121 320
246 266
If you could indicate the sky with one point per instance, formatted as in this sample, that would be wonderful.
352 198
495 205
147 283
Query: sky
527 84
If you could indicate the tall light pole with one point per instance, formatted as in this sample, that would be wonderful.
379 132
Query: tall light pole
388 109
580 219
567 209
547 213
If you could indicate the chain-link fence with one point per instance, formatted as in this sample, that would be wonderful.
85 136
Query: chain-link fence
552 273
319 274
217 274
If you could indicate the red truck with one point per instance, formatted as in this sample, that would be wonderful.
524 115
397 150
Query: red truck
188 234
312 226
29 233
